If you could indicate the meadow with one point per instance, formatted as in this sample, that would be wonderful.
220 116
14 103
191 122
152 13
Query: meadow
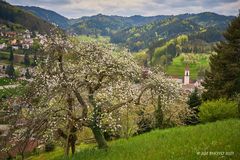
6 81
178 65
93 38
218 140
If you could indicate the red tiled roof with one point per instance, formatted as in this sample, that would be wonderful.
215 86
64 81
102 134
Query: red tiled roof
31 144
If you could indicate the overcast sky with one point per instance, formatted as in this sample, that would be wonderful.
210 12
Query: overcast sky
79 8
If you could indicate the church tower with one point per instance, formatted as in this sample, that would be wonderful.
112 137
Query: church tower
186 76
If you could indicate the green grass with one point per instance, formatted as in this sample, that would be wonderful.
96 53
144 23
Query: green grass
91 38
4 55
177 66
7 62
56 153
12 92
6 81
45 156
180 143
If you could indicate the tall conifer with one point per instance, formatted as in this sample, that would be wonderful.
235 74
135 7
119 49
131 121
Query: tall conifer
223 79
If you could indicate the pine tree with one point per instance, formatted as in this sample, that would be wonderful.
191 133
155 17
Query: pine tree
27 74
194 100
10 71
11 56
26 59
34 62
223 79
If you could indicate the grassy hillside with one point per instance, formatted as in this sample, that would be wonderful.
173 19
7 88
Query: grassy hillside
92 38
198 62
191 143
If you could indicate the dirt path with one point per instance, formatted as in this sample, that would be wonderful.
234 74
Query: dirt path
9 86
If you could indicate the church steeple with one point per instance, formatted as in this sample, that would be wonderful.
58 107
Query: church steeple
186 75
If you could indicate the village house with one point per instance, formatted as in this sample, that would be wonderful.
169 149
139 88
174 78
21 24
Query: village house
13 42
15 47
2 46
1 34
27 34
25 46
10 34
20 34
28 41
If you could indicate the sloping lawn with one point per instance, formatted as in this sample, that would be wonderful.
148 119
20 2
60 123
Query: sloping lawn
219 140
177 67
6 81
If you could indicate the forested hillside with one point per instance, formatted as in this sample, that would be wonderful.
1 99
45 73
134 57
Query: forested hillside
137 38
48 15
139 32
107 25
208 19
12 14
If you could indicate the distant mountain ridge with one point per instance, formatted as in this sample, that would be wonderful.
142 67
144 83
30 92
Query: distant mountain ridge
135 20
48 15
208 19
140 32
104 24
108 25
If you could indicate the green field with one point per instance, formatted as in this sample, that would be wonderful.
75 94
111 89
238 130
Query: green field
180 143
18 59
177 67
92 38
6 81
4 55
10 92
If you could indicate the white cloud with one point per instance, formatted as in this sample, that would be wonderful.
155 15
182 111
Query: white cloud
78 8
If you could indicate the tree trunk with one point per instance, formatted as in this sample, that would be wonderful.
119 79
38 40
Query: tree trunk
102 144
159 114
69 125
67 147
22 156
98 135
73 147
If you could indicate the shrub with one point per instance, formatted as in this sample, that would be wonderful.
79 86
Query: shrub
211 111
49 146
10 71
194 101
145 123
176 114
